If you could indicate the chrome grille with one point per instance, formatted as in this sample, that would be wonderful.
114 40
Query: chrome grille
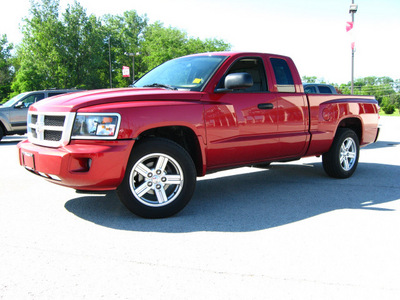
50 129
54 120
34 119
52 135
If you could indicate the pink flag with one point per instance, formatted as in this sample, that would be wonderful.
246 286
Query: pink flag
349 26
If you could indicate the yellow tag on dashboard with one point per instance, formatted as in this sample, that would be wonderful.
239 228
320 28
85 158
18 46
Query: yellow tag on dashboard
197 80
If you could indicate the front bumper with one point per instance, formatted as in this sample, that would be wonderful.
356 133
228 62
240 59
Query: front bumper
82 165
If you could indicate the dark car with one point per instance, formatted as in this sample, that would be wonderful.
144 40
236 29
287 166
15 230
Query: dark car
319 88
13 113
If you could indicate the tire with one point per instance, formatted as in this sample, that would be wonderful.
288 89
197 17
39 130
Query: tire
342 159
159 180
1 132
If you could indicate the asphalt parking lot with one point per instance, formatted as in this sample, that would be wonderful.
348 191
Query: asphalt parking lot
288 232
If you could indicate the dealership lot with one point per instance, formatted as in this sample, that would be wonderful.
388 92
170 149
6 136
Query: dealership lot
288 232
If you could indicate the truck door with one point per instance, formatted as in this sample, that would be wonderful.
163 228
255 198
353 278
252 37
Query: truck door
292 111
242 124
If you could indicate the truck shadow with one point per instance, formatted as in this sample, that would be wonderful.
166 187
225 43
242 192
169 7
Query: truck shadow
255 199
381 144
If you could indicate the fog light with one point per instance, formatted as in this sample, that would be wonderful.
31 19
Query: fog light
80 164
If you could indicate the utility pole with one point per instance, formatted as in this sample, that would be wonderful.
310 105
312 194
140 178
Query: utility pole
133 63
352 11
109 58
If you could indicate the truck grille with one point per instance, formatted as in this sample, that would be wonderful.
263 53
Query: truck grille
50 129
54 120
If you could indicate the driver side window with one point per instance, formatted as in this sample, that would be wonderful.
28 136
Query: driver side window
253 66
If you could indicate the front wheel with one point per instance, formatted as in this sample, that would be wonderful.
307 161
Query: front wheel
159 181
342 159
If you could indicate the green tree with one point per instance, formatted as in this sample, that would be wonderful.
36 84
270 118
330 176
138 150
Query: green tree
395 99
77 50
6 70
126 35
309 79
196 45
39 54
343 89
380 87
161 44
61 52
391 102
85 56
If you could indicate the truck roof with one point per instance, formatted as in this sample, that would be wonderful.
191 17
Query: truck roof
236 53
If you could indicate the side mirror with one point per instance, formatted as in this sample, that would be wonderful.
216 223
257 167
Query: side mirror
236 81
20 104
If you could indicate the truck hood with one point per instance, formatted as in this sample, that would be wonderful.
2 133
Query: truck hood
73 101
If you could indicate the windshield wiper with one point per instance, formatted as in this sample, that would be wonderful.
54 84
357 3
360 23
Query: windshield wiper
161 86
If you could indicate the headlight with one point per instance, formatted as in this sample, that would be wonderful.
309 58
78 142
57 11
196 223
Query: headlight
96 126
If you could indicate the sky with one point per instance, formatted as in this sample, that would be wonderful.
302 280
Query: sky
312 32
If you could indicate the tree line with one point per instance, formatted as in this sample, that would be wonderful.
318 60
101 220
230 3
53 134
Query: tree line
385 89
75 50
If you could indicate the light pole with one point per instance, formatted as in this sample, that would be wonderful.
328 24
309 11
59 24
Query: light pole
133 64
109 59
352 11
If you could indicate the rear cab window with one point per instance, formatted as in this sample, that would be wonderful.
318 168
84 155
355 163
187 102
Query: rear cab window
283 75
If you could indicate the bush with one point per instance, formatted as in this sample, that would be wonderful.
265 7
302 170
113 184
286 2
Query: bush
389 109
396 101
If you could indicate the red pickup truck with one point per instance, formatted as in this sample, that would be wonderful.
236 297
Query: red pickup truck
186 118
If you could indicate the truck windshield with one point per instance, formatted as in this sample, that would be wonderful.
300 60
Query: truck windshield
187 73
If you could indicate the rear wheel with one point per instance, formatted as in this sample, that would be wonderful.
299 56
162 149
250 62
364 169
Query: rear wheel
342 159
1 132
160 179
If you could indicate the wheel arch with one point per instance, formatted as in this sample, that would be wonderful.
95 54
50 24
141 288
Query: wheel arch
354 124
183 136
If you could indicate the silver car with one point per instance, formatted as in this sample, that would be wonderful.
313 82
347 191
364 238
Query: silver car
13 113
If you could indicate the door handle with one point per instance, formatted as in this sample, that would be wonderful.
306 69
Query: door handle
265 106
